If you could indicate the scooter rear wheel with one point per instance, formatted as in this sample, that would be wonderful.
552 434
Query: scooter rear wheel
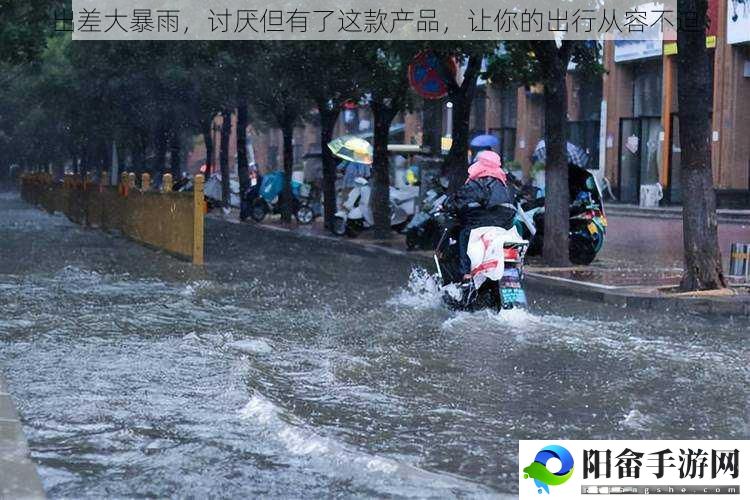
339 226
582 252
259 210
304 214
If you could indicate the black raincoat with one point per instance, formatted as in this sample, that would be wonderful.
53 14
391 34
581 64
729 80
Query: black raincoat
485 201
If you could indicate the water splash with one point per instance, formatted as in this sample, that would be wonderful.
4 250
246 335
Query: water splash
252 346
637 421
423 291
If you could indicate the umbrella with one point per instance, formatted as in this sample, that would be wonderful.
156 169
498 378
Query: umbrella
485 141
576 155
352 148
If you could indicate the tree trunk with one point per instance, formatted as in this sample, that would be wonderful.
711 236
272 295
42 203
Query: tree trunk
104 154
703 268
456 162
161 141
381 179
287 130
432 119
174 154
242 167
209 142
462 97
139 154
226 129
328 119
557 195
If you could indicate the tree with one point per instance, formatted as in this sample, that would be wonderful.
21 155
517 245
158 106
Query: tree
24 28
387 84
461 96
703 268
333 75
242 173
546 62
553 65
279 98
226 129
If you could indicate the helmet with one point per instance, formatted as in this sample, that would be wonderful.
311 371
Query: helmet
412 175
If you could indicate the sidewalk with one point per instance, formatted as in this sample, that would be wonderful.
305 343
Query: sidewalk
18 475
724 216
631 271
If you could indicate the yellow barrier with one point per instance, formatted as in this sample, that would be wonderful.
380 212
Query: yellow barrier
171 221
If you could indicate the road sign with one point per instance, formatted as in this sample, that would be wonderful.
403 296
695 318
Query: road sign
425 76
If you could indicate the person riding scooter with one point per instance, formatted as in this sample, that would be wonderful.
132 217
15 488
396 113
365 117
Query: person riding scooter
484 200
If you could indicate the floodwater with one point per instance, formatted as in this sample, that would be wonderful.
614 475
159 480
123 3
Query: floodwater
294 367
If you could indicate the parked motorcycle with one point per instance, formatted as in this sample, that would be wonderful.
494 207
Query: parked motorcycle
497 276
356 214
185 185
267 200
310 195
425 229
588 222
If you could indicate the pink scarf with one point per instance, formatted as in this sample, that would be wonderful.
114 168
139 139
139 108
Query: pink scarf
487 164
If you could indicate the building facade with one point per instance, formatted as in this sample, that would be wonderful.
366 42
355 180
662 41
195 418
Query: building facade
641 131
628 120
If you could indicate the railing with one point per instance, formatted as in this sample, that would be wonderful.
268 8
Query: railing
167 220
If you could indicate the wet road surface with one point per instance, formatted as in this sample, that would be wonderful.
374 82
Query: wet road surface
293 366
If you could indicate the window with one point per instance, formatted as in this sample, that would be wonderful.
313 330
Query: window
273 157
584 130
647 89
508 119
478 113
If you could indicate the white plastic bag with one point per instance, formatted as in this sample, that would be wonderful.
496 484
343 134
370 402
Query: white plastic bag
486 251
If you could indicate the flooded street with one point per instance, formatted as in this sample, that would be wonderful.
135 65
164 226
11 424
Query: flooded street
293 366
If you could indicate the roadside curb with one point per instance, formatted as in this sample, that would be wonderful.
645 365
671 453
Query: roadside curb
19 478
622 297
613 295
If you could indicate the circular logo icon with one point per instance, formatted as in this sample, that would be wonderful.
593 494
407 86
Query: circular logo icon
542 476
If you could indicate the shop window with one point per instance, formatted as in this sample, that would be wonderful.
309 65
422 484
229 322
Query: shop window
584 131
297 152
478 113
273 157
508 120
647 89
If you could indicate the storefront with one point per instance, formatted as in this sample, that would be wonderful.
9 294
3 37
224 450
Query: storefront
638 67
642 128
731 124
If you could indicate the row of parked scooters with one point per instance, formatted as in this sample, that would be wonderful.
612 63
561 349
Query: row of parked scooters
423 223
353 216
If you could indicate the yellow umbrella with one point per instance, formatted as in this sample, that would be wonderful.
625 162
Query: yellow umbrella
352 148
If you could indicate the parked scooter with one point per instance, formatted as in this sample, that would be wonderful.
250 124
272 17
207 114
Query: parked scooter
310 195
267 200
185 185
425 229
588 223
356 214
497 269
